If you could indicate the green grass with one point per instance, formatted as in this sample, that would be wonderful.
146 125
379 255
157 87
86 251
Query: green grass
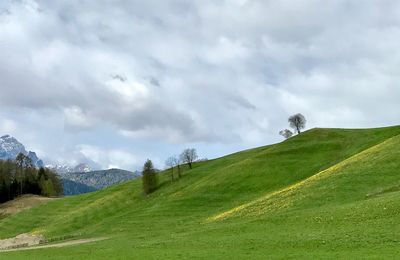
327 193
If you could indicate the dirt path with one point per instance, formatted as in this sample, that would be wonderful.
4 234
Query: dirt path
58 245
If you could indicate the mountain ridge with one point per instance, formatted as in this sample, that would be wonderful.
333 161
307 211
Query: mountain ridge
10 147
75 183
66 168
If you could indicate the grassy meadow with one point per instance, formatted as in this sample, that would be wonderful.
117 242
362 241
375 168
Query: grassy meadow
327 193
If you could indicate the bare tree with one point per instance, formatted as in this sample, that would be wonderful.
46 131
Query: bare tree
297 122
189 156
170 162
23 162
286 133
177 163
20 159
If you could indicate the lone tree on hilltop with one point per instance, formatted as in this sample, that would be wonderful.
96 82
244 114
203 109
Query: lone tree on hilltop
297 122
189 156
149 178
286 133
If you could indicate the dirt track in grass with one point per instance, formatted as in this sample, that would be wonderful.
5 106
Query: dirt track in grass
58 245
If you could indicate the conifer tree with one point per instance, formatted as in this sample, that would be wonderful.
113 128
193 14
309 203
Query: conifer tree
149 178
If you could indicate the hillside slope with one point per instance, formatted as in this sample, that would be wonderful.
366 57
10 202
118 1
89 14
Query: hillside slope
21 203
366 175
327 192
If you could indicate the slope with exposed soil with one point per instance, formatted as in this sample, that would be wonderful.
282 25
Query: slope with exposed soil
22 203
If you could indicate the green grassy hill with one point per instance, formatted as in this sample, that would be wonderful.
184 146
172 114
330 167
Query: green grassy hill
326 193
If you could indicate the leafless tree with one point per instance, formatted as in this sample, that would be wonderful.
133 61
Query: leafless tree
177 163
286 133
22 162
170 163
297 122
188 156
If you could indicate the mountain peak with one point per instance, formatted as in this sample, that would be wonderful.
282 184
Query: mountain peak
82 167
10 147
63 169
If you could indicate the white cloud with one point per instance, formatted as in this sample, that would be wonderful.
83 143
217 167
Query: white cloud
129 91
196 72
8 126
75 118
108 158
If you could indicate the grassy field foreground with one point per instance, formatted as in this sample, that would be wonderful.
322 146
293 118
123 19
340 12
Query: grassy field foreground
323 194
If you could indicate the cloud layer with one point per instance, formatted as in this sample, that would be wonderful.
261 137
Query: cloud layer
146 78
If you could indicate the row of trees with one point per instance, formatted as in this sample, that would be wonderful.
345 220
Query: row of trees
20 177
188 156
149 174
297 122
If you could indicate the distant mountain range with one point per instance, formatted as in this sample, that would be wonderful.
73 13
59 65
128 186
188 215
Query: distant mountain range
82 182
75 188
65 168
75 179
82 179
10 148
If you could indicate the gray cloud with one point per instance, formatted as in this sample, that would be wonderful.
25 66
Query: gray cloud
226 72
119 77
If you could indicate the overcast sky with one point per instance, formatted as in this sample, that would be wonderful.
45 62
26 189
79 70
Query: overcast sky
115 82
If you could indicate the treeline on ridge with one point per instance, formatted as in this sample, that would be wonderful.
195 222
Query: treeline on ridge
20 177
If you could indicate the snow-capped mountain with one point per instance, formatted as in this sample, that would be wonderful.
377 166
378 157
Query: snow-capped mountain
82 168
11 147
36 161
60 169
65 168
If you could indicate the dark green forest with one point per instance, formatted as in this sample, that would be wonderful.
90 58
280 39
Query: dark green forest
20 177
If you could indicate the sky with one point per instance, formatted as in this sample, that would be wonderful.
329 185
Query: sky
112 83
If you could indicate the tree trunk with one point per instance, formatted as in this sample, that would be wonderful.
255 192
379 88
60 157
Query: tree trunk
179 171
22 180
